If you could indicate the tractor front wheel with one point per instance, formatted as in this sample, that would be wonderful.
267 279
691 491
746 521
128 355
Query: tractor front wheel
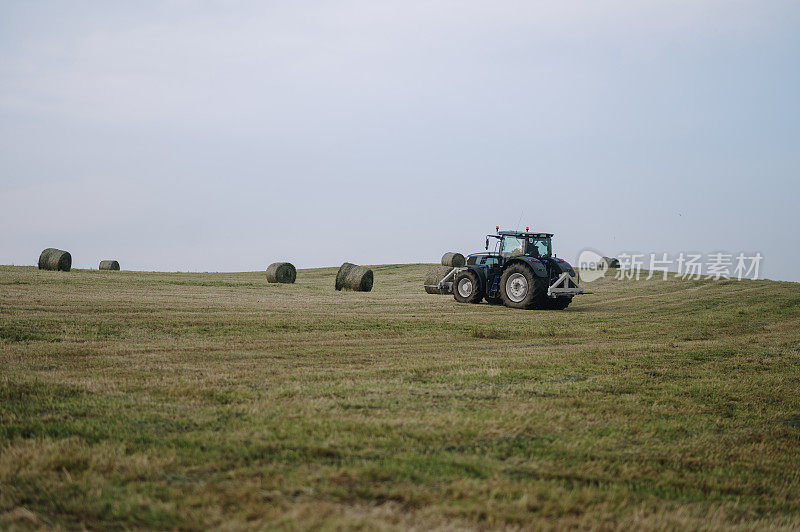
467 287
520 288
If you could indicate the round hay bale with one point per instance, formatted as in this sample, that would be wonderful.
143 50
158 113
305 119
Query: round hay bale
354 277
281 272
55 259
109 265
454 260
612 262
434 275
341 275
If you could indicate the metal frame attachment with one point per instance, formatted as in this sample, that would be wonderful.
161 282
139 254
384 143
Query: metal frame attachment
445 283
565 285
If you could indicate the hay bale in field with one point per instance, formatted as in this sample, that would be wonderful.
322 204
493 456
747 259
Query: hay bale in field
611 261
281 272
434 275
354 277
454 260
55 259
109 265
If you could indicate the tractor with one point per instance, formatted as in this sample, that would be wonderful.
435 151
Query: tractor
522 273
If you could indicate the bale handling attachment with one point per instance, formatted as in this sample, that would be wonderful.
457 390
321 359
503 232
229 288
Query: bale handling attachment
446 283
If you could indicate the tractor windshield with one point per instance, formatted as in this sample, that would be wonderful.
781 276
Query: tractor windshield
512 246
531 246
538 246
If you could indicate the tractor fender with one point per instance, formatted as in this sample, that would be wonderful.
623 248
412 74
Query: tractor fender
480 272
563 266
539 269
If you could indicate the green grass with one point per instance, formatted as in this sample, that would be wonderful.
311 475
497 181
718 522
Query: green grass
175 400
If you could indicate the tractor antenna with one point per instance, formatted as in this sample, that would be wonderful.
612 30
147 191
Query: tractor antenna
519 222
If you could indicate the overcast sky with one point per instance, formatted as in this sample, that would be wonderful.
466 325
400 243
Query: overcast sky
222 136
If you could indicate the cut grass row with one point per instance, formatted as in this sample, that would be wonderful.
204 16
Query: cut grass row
133 399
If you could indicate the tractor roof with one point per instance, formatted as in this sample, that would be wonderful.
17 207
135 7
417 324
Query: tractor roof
524 234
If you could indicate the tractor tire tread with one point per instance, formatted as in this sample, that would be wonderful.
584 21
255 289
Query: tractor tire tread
477 292
537 292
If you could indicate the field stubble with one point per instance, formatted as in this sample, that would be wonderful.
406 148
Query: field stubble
132 399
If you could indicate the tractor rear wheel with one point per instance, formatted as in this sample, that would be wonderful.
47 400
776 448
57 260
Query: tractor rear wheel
520 288
467 287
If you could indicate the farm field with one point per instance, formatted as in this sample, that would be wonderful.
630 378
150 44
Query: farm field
192 400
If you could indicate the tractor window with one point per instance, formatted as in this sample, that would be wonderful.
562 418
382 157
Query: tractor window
538 247
512 247
489 261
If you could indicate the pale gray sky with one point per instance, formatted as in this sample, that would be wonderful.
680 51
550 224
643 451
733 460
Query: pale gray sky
226 135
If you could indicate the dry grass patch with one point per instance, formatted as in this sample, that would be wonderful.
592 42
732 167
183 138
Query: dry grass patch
177 400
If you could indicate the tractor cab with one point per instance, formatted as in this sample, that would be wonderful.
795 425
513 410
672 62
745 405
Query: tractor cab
511 244
522 244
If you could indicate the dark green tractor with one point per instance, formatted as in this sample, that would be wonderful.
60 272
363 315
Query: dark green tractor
521 273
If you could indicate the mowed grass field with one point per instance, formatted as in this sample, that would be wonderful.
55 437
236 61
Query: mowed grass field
188 400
